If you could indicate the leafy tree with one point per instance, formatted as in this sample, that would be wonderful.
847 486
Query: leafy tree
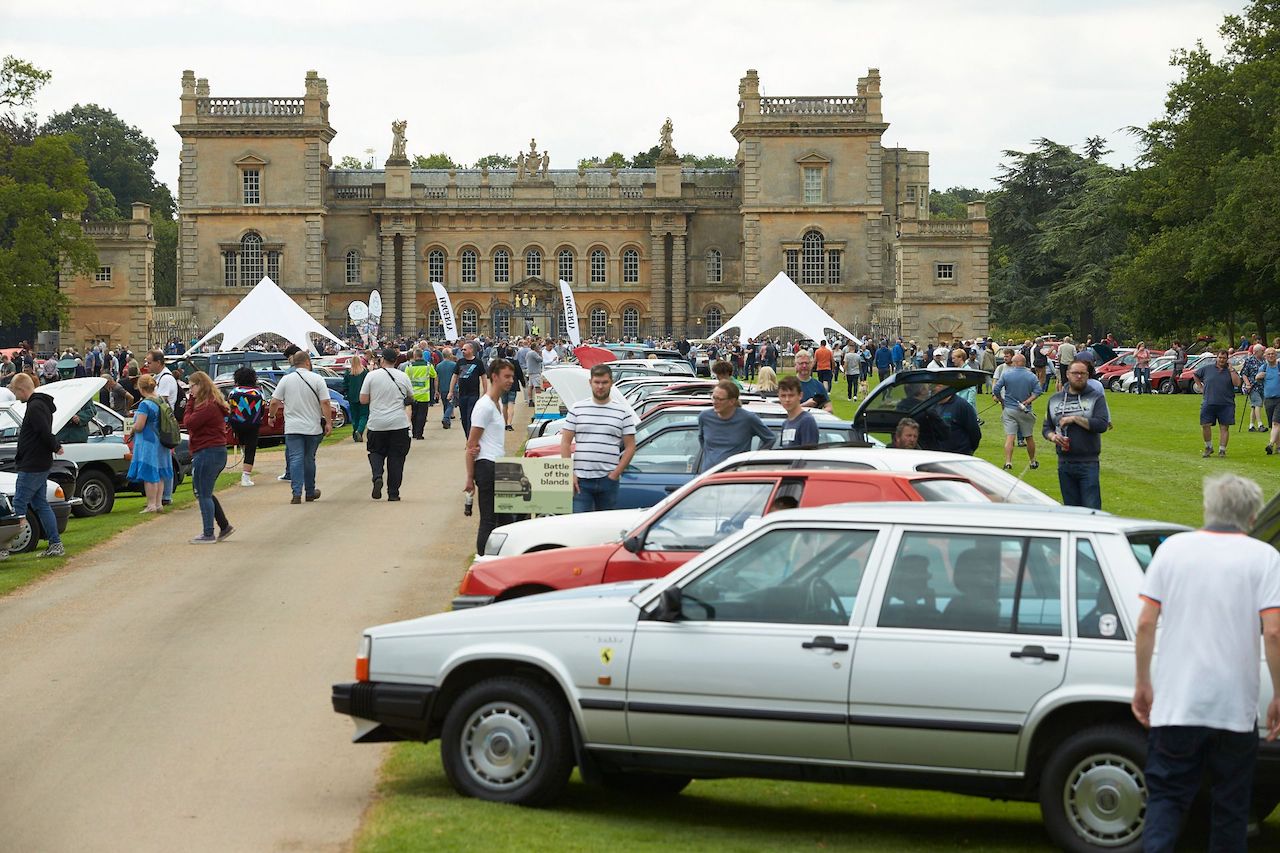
616 160
435 161
646 159
120 156
19 82
349 162
708 161
496 161
166 267
951 204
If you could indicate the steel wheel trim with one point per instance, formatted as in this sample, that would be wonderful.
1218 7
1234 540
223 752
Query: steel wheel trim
93 496
501 746
1105 800
20 542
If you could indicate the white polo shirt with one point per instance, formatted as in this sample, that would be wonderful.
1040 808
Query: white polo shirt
301 393
387 387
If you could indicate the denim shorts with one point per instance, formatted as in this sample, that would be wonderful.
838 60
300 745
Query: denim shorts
1255 396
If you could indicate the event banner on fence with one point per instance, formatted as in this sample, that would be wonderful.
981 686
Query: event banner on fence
538 486
445 307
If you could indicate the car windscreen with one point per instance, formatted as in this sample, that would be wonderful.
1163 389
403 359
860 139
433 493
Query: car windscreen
992 481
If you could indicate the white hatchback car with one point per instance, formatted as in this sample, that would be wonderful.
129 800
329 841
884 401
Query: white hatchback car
953 647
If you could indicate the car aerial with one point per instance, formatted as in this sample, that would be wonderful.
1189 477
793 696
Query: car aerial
702 514
949 648
27 538
598 528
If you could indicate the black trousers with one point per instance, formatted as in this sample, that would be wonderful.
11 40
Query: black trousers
388 447
418 417
465 405
484 503
247 435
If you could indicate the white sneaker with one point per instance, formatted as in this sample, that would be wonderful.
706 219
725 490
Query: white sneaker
244 480
283 476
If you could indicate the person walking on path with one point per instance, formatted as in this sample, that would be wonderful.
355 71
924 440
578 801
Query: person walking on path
1075 420
1269 377
33 460
470 384
422 375
1016 390
1252 387
308 418
245 417
533 370
800 429
485 443
600 436
1179 364
352 381
1066 355
727 428
509 398
167 390
824 363
205 423
444 383
152 461
1219 381
385 391
852 368
1209 589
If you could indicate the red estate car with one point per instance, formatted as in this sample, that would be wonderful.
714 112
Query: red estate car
707 511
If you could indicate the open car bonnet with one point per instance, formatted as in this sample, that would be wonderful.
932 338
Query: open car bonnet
573 383
908 393
69 396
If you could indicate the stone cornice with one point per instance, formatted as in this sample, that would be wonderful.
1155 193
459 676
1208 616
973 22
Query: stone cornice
253 210
187 131
741 132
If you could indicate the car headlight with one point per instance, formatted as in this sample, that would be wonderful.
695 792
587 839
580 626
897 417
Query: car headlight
493 545
59 494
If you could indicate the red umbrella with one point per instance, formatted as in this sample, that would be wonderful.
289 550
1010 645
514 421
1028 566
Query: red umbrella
589 356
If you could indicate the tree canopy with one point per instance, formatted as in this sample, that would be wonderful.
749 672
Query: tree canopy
435 161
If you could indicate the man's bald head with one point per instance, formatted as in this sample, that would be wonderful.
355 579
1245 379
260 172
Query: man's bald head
1019 360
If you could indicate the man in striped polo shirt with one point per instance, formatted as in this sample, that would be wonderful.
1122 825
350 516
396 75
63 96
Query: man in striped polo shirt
605 432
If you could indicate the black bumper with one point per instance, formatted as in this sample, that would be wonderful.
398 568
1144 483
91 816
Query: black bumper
404 710
62 512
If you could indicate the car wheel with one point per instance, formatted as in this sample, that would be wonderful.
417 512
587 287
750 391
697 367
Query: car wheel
339 419
28 537
1166 386
507 740
96 492
643 784
1093 793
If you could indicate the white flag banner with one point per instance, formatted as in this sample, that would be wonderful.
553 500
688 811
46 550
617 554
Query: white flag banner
570 313
445 307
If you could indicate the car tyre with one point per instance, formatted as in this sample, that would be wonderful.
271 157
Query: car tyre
339 418
96 492
650 785
1166 386
25 543
1093 792
507 740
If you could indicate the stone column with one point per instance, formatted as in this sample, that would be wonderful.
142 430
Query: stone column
679 297
387 280
657 282
408 296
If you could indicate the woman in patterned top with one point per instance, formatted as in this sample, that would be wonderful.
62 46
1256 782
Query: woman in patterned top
245 417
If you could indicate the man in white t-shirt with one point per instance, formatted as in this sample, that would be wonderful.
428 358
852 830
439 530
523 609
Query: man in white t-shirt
166 389
485 443
1210 588
308 418
550 356
387 434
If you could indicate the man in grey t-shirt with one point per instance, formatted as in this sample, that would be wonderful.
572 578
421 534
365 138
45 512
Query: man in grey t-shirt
1017 388
1219 381
728 428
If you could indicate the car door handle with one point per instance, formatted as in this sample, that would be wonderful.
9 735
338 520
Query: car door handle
1035 652
825 642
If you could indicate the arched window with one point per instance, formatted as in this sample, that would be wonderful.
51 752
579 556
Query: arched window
502 322
435 266
599 322
598 268
251 269
533 264
714 318
630 323
470 322
468 266
630 267
502 267
353 267
565 265
715 268
813 260
435 328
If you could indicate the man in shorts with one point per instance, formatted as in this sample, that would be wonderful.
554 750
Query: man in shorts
1016 389
1219 382
1253 388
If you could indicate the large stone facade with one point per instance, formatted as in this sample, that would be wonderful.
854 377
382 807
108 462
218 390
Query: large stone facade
114 303
663 250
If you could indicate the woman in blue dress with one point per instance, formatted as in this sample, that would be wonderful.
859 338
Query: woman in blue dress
152 462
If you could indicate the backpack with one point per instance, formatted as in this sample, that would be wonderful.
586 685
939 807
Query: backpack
167 427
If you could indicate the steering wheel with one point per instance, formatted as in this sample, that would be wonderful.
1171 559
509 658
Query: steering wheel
821 596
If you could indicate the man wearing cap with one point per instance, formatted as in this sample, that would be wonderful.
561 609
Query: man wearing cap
939 360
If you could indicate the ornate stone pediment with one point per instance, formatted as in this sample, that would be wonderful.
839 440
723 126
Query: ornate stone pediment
250 161
813 158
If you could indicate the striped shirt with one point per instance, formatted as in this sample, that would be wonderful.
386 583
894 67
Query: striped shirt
597 430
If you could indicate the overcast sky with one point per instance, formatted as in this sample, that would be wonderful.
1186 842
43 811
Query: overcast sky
964 81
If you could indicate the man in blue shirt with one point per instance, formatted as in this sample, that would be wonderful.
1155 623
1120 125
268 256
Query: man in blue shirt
1219 382
1269 377
1017 388
897 353
884 358
728 428
800 428
813 394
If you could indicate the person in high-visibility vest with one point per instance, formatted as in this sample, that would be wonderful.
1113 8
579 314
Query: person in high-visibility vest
422 374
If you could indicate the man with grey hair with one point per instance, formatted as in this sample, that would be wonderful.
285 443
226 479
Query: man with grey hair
1211 588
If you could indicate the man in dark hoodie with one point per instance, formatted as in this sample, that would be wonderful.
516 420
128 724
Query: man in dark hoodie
36 447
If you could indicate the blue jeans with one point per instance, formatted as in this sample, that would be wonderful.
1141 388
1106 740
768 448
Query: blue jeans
1176 761
1142 378
300 456
448 411
168 481
206 465
1079 483
595 493
30 493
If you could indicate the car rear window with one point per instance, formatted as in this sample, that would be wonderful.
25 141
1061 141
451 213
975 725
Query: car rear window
1145 543
954 491
998 486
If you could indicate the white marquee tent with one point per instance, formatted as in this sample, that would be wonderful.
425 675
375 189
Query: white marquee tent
267 309
782 304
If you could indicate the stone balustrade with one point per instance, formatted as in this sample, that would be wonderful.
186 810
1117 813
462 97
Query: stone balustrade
254 107
105 229
838 105
354 193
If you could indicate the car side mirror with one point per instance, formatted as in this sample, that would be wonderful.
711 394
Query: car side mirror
107 429
669 606
634 544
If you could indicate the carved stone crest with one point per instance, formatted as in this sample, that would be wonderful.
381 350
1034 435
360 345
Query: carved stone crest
528 165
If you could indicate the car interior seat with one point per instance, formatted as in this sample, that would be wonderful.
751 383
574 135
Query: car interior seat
909 600
976 576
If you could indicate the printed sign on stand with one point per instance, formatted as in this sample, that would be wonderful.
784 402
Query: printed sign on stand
526 486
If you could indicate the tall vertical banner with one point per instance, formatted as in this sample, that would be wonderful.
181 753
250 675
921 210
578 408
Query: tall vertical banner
445 307
570 313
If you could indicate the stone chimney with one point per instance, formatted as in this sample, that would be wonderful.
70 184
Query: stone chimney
749 95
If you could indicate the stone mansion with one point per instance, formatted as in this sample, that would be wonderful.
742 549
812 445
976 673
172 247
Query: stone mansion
667 249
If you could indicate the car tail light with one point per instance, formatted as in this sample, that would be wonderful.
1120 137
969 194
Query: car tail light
362 658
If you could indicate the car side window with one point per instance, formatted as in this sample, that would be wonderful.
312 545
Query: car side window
1096 615
966 582
707 515
797 576
670 452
